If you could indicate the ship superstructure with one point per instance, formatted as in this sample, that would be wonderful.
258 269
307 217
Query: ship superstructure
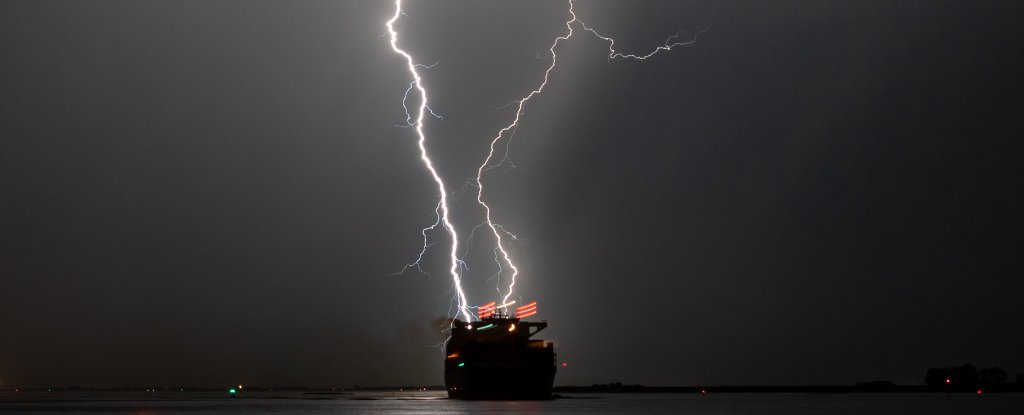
495 358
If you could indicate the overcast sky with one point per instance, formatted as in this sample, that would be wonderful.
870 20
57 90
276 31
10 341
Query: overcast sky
209 193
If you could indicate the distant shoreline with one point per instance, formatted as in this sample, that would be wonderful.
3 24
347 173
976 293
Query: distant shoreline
834 389
870 387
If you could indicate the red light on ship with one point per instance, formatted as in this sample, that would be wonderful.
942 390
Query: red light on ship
526 310
979 392
703 392
564 364
948 381
488 309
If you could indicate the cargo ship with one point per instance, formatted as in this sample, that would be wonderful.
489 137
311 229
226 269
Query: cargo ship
496 359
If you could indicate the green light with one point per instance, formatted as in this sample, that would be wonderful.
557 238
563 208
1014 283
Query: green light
232 391
486 327
462 364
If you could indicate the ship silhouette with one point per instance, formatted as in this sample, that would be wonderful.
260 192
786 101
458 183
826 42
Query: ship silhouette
495 358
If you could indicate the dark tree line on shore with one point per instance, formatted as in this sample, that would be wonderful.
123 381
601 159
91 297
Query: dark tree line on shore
967 377
963 378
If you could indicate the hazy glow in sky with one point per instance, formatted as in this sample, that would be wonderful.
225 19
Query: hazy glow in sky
214 193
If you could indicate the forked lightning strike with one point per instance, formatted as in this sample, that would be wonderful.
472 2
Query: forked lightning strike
425 157
670 43
500 253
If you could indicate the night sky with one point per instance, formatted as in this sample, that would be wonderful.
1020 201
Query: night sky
209 193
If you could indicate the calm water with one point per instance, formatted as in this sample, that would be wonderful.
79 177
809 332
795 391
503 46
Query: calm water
435 403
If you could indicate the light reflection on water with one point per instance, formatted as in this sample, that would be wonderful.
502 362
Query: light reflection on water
435 403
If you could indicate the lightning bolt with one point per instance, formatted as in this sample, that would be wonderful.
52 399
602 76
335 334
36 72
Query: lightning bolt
417 124
501 254
670 43
486 164
509 130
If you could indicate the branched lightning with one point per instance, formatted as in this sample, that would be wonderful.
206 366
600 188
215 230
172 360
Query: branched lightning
501 255
454 267
509 130
670 43
486 165
426 245
405 100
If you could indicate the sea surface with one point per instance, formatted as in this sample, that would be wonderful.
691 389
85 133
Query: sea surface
169 403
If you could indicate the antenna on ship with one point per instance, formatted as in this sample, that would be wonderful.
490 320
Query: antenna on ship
504 309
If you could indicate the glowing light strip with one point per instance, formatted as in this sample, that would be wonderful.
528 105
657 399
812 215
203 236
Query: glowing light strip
489 326
533 304
486 310
424 156
526 310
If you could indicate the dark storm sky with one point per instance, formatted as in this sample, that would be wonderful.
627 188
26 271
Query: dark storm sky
207 193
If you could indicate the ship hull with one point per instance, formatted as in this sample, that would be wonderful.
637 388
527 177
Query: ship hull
483 379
